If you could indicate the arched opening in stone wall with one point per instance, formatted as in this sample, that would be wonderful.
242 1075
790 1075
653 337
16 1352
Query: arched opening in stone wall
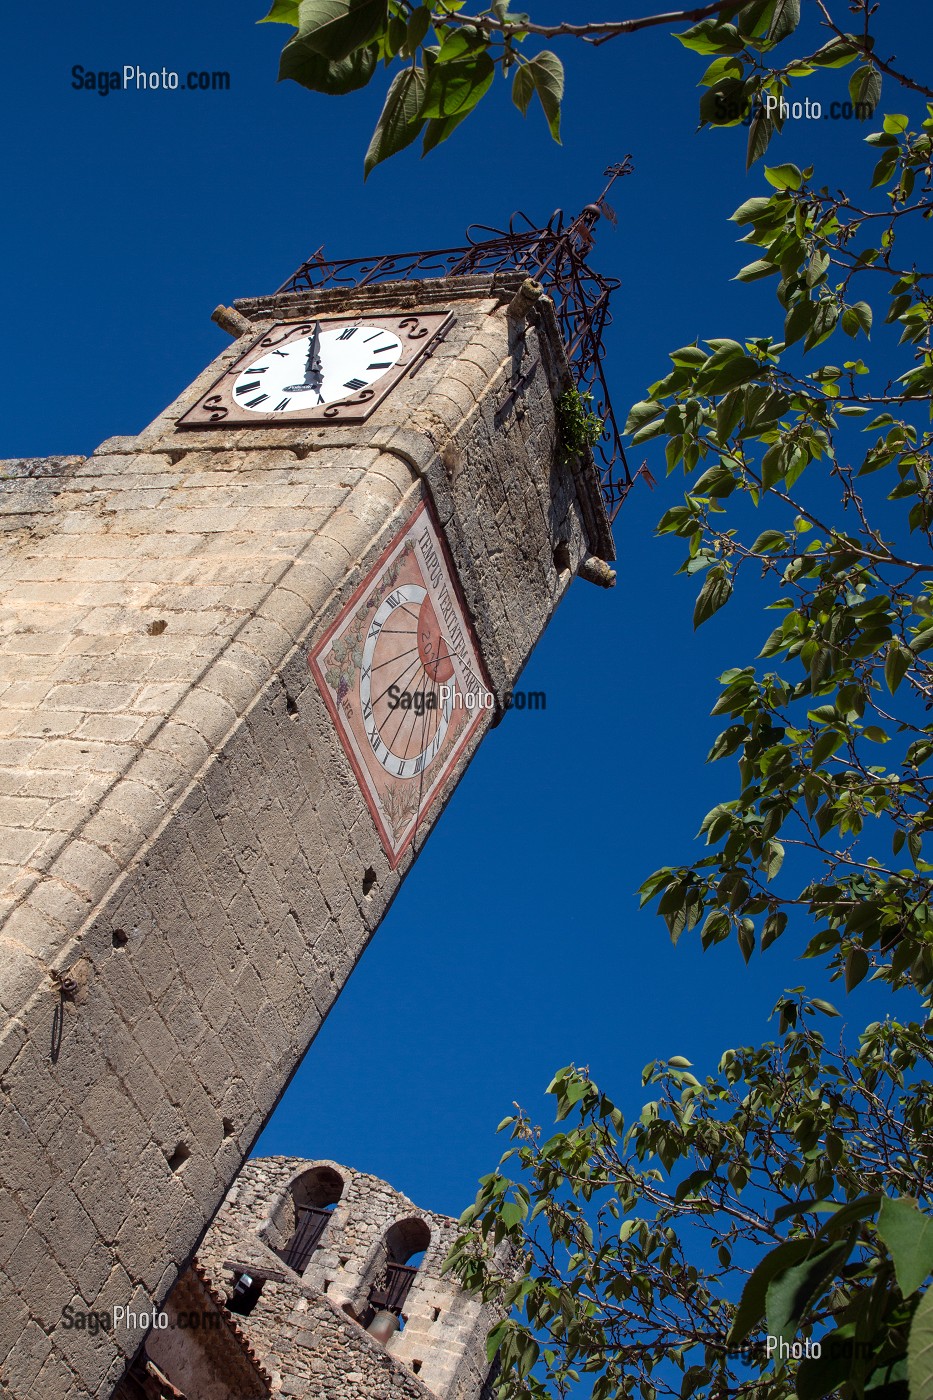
405 1244
307 1209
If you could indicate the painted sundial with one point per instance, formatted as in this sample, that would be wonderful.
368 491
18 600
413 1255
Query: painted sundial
400 673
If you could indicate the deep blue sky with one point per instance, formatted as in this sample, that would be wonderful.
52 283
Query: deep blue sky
516 945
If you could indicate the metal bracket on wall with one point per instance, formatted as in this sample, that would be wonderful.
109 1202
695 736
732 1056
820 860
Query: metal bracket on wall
516 388
439 339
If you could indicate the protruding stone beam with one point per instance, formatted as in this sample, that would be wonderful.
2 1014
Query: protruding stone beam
231 321
597 571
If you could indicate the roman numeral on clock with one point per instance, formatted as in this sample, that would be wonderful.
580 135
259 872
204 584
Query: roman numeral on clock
380 364
355 384
280 407
260 398
246 388
346 334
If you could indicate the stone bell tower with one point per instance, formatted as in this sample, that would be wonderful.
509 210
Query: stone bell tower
317 1282
246 656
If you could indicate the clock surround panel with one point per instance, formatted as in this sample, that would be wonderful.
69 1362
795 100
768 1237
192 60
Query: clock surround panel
401 674
318 370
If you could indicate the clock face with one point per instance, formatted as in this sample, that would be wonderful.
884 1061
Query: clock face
334 369
320 368
402 678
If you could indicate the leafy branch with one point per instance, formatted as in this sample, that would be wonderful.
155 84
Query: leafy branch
446 59
748 422
786 1196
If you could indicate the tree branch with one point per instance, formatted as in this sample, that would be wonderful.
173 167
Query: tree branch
597 32
865 49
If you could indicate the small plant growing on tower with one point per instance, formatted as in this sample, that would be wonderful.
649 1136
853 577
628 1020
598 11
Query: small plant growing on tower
579 427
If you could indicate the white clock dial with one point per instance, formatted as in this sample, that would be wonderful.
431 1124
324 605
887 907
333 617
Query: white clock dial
317 369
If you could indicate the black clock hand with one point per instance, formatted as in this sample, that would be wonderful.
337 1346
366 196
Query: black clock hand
314 370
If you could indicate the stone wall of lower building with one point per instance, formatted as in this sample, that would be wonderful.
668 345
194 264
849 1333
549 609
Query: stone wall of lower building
199 1349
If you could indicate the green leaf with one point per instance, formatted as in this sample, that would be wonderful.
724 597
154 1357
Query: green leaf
727 66
884 170
400 121
752 1305
748 212
713 595
418 26
896 665
894 123
784 21
282 12
512 1213
908 1234
826 1007
711 36
888 1381
640 414
335 28
836 54
826 745
312 70
773 928
459 43
753 270
920 1350
523 89
852 1212
821 1375
759 135
454 89
689 356
865 90
727 371
824 321
857 966
783 177
547 76
798 321
769 541
438 129
791 1290
863 314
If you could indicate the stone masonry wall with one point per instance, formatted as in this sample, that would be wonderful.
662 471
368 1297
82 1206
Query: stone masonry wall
184 844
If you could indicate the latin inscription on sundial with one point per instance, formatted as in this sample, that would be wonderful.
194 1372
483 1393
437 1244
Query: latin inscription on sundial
401 675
